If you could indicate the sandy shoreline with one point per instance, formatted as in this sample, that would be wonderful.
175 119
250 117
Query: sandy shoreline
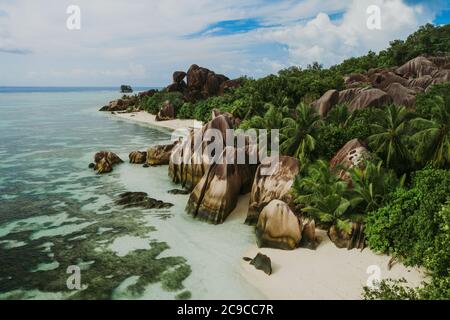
147 118
325 273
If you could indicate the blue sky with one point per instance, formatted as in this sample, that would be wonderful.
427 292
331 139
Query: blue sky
142 42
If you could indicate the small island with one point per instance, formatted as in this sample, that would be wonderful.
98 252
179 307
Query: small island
126 89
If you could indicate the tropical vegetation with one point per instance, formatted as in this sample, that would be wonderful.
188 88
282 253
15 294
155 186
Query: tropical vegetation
401 193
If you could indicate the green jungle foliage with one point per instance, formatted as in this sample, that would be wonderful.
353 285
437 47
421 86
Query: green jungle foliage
402 194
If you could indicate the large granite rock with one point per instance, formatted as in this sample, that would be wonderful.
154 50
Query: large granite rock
326 102
369 98
187 165
167 112
105 160
416 68
201 83
228 85
137 157
160 154
383 79
353 154
422 82
278 227
353 240
347 96
309 239
355 79
148 93
401 95
274 186
178 76
121 104
216 194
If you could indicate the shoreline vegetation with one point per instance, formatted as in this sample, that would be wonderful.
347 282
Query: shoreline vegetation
365 159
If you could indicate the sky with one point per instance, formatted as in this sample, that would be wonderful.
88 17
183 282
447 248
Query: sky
142 42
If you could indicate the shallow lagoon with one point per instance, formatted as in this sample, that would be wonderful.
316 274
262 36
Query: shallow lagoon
55 212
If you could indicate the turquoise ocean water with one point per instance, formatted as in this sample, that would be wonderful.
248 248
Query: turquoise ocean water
55 213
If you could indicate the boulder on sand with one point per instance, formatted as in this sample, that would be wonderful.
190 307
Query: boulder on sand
261 262
216 194
276 185
187 165
309 239
159 155
167 112
105 160
353 240
278 227
138 157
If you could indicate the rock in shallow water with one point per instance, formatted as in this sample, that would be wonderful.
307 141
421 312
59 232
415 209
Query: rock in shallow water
138 157
141 199
105 160
178 191
261 262
188 165
159 155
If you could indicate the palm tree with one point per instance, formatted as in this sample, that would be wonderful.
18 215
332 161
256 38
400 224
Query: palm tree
371 184
323 195
340 116
299 135
434 135
391 132
272 119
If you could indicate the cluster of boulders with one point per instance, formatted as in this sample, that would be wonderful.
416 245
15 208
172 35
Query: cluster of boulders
127 102
380 87
154 156
200 83
123 104
104 161
215 189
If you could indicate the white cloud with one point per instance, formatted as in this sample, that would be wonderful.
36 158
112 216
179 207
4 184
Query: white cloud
330 42
116 35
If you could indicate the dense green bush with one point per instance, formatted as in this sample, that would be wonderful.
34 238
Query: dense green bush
414 226
407 224
426 101
339 128
154 103
429 39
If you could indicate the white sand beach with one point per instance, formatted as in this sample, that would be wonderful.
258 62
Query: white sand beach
327 273
147 118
